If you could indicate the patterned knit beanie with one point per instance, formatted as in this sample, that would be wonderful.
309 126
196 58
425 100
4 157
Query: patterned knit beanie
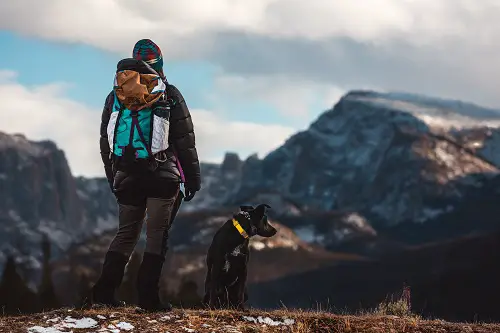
147 51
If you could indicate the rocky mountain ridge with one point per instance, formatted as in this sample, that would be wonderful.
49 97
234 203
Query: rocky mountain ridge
373 162
369 144
381 160
41 196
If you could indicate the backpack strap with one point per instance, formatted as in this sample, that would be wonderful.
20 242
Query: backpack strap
170 96
135 123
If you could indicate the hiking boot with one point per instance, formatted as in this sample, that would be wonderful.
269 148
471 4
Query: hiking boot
148 280
103 292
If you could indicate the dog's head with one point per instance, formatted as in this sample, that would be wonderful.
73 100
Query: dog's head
256 222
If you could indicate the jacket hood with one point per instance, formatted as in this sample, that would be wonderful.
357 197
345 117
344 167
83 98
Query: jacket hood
137 85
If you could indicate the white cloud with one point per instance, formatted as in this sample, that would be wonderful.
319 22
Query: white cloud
292 98
214 134
446 48
107 23
40 112
43 112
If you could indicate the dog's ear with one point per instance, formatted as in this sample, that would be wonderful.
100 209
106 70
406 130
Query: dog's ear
246 208
264 228
260 211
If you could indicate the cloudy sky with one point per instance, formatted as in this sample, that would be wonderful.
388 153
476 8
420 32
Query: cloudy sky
252 71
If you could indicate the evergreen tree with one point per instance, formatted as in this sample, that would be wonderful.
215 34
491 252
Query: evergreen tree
47 295
15 296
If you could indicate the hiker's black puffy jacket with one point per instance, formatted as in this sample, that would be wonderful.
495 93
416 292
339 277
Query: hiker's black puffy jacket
181 138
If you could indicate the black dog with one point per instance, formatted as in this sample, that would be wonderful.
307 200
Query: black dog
227 258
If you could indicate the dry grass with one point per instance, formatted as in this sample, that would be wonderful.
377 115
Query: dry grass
400 307
233 322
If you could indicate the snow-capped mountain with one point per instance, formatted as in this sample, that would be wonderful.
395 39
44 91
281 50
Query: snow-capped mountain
380 159
437 113
374 161
386 156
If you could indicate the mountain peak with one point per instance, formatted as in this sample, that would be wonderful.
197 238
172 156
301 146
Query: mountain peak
433 111
231 162
20 143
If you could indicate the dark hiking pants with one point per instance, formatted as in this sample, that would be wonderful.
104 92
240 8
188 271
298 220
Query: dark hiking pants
156 199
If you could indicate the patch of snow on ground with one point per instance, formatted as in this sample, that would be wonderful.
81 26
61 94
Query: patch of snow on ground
112 329
269 321
53 320
61 326
79 323
125 326
231 329
40 329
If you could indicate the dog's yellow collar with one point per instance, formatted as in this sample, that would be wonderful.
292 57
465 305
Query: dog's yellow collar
238 227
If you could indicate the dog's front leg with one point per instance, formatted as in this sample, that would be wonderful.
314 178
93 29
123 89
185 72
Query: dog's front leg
214 282
241 290
206 297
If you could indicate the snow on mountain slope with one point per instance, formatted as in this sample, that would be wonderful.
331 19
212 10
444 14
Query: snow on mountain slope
389 157
435 112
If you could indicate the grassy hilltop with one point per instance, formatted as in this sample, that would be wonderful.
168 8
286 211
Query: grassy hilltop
198 321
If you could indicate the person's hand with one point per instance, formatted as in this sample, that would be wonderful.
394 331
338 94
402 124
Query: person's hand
189 195
190 189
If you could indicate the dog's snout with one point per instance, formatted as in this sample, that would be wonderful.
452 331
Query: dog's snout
267 231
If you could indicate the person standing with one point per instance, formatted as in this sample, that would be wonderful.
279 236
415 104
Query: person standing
147 144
